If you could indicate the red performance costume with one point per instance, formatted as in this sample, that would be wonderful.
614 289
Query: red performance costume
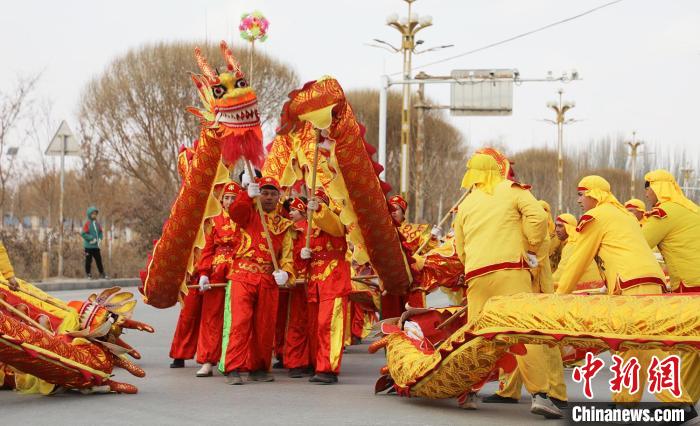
201 319
412 237
328 288
297 332
254 292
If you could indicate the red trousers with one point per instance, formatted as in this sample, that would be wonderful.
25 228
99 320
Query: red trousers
357 320
252 332
281 323
199 326
327 326
296 342
393 305
210 325
184 344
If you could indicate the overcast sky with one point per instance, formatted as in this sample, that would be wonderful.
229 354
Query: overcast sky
639 59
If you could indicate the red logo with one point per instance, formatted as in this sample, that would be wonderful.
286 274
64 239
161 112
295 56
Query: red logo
587 372
625 375
665 375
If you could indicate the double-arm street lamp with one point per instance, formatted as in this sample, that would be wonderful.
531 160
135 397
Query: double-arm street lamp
560 108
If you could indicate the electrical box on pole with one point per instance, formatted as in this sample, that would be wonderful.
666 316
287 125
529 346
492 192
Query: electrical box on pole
482 92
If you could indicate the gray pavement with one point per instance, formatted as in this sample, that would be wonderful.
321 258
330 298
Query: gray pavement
175 397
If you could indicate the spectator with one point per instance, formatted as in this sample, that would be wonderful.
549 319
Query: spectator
92 236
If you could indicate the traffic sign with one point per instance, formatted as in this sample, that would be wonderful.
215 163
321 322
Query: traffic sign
65 141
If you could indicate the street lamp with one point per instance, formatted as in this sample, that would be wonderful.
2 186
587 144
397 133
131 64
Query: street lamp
560 108
408 26
634 146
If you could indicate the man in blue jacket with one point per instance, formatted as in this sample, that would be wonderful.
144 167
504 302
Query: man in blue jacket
92 236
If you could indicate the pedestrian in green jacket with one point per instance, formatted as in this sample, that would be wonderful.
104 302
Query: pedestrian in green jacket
92 237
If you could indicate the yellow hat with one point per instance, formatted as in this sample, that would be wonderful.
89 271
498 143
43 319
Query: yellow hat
599 189
637 204
666 188
482 171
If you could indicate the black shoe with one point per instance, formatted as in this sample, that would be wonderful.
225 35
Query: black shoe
297 373
260 376
234 378
104 277
498 399
324 378
560 403
177 363
279 364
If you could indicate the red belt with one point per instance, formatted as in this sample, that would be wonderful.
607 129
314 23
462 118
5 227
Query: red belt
682 288
495 267
643 280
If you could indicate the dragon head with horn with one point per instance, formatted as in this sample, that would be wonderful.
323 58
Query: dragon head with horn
229 107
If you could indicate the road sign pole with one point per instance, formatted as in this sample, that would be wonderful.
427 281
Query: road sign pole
60 209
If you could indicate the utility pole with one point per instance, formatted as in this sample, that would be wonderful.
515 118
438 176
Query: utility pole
408 27
634 146
560 108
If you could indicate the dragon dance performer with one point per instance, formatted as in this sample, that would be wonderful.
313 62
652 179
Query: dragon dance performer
413 236
254 290
297 331
6 269
510 384
504 217
328 288
637 208
673 225
608 231
362 313
201 319
590 281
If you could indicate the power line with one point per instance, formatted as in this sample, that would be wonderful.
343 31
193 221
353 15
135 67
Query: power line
498 43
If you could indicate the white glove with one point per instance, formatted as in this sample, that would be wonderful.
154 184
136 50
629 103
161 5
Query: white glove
305 253
245 179
313 205
281 277
436 232
253 190
93 241
532 260
204 283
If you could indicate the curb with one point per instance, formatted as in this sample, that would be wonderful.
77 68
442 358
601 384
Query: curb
87 284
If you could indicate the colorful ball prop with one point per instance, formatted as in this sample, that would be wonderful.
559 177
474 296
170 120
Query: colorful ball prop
253 26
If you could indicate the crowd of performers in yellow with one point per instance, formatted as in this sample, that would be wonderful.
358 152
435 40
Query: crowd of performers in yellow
307 301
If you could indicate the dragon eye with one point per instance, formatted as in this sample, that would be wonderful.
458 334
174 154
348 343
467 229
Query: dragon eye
218 91
241 83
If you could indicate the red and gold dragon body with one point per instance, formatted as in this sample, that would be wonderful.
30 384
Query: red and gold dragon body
47 344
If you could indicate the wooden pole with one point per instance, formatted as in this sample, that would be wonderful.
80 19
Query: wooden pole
444 218
452 318
309 213
24 316
263 220
44 299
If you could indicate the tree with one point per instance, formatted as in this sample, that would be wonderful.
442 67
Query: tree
445 150
13 106
134 115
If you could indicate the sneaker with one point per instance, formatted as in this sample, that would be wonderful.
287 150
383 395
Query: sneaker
469 402
205 371
498 399
297 373
234 378
104 277
88 276
324 378
560 403
279 364
177 363
260 376
545 407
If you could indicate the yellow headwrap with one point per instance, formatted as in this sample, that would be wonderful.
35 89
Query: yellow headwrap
598 188
636 203
482 171
666 189
569 222
550 222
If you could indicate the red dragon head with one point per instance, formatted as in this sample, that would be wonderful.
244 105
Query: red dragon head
230 108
